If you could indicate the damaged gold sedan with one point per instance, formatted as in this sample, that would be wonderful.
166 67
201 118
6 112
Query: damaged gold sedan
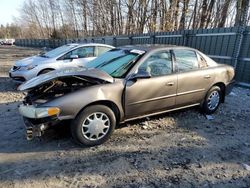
123 84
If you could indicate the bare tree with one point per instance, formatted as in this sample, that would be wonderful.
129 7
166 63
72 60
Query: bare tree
224 13
242 7
83 18
184 14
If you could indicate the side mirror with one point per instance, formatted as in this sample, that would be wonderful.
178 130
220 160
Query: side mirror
74 57
140 75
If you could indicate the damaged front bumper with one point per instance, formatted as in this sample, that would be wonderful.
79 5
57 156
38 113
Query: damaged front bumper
37 120
34 130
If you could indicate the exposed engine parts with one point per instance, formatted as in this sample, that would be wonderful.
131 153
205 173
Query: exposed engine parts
57 88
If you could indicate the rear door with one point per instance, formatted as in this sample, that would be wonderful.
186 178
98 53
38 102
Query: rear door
194 77
149 95
99 50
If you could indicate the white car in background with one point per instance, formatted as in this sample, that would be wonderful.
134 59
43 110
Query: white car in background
1 41
7 41
69 55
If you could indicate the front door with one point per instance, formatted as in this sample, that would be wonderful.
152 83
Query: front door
85 55
149 95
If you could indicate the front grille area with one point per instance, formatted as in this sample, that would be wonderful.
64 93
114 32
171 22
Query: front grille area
19 79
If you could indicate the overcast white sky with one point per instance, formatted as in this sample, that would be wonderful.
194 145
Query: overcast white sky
8 9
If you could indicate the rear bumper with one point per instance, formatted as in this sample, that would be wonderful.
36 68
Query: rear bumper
229 87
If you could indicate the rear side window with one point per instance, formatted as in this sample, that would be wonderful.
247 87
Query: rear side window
101 50
186 60
202 62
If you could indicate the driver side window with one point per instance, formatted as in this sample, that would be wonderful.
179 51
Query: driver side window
158 64
83 52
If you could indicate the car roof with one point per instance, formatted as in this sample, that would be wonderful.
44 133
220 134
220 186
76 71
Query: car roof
88 44
140 47
150 47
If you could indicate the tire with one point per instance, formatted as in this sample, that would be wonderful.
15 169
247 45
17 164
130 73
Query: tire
212 100
98 120
44 71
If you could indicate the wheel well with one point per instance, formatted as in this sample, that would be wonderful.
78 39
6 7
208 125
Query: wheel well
49 69
109 104
222 86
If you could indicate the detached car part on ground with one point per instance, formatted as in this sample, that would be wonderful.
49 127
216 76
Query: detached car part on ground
69 55
124 84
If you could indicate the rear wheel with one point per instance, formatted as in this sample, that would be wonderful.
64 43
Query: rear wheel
93 126
212 100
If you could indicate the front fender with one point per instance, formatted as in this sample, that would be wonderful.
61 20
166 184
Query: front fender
72 103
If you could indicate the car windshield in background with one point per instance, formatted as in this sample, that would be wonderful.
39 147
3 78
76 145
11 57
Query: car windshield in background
116 62
58 51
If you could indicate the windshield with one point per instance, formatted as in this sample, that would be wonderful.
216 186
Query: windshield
115 62
57 51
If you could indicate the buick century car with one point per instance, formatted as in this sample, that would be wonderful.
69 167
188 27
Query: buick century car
123 84
69 55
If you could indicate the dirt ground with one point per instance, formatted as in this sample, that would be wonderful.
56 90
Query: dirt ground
178 149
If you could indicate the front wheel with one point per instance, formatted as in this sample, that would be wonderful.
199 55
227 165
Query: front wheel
212 100
94 125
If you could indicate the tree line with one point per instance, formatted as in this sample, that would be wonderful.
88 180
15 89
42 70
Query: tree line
10 31
83 18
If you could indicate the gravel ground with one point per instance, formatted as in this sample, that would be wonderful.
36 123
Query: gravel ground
179 149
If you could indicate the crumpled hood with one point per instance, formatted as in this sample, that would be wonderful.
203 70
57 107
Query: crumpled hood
66 72
30 60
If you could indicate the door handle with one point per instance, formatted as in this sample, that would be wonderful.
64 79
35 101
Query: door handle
170 84
207 76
